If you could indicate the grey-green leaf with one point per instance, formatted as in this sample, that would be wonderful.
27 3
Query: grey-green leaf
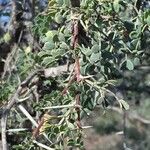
136 61
61 37
43 53
129 64
48 60
94 58
95 48
124 104
63 45
116 5
49 45
148 20
59 2
58 18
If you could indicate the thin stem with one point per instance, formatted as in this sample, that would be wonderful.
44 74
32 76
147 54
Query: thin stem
62 106
42 145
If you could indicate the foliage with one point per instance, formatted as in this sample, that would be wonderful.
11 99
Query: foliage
113 39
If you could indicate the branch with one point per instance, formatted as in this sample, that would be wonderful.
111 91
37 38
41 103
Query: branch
10 57
12 23
24 111
49 72
63 106
10 104
42 145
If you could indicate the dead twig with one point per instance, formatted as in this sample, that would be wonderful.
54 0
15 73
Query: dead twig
7 67
42 145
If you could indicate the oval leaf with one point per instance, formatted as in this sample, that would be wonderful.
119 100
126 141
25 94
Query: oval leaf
129 64
94 58
124 104
95 48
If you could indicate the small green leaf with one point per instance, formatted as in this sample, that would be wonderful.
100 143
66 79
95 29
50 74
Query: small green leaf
63 45
57 52
59 2
28 50
61 37
43 53
86 51
94 58
7 37
71 142
124 104
70 125
49 46
58 18
84 69
116 5
49 34
90 105
129 64
95 48
56 130
67 2
136 61
83 61
48 60
148 20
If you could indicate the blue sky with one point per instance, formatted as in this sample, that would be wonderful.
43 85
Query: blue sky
4 19
3 2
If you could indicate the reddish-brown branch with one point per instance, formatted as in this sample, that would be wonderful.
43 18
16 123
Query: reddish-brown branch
74 44
78 111
77 70
75 34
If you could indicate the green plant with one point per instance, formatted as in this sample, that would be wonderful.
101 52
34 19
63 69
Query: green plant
100 43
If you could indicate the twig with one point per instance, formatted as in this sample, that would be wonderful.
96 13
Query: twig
23 99
9 60
13 25
102 88
77 98
17 130
71 80
124 127
62 106
3 132
11 56
36 99
12 22
42 145
24 111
